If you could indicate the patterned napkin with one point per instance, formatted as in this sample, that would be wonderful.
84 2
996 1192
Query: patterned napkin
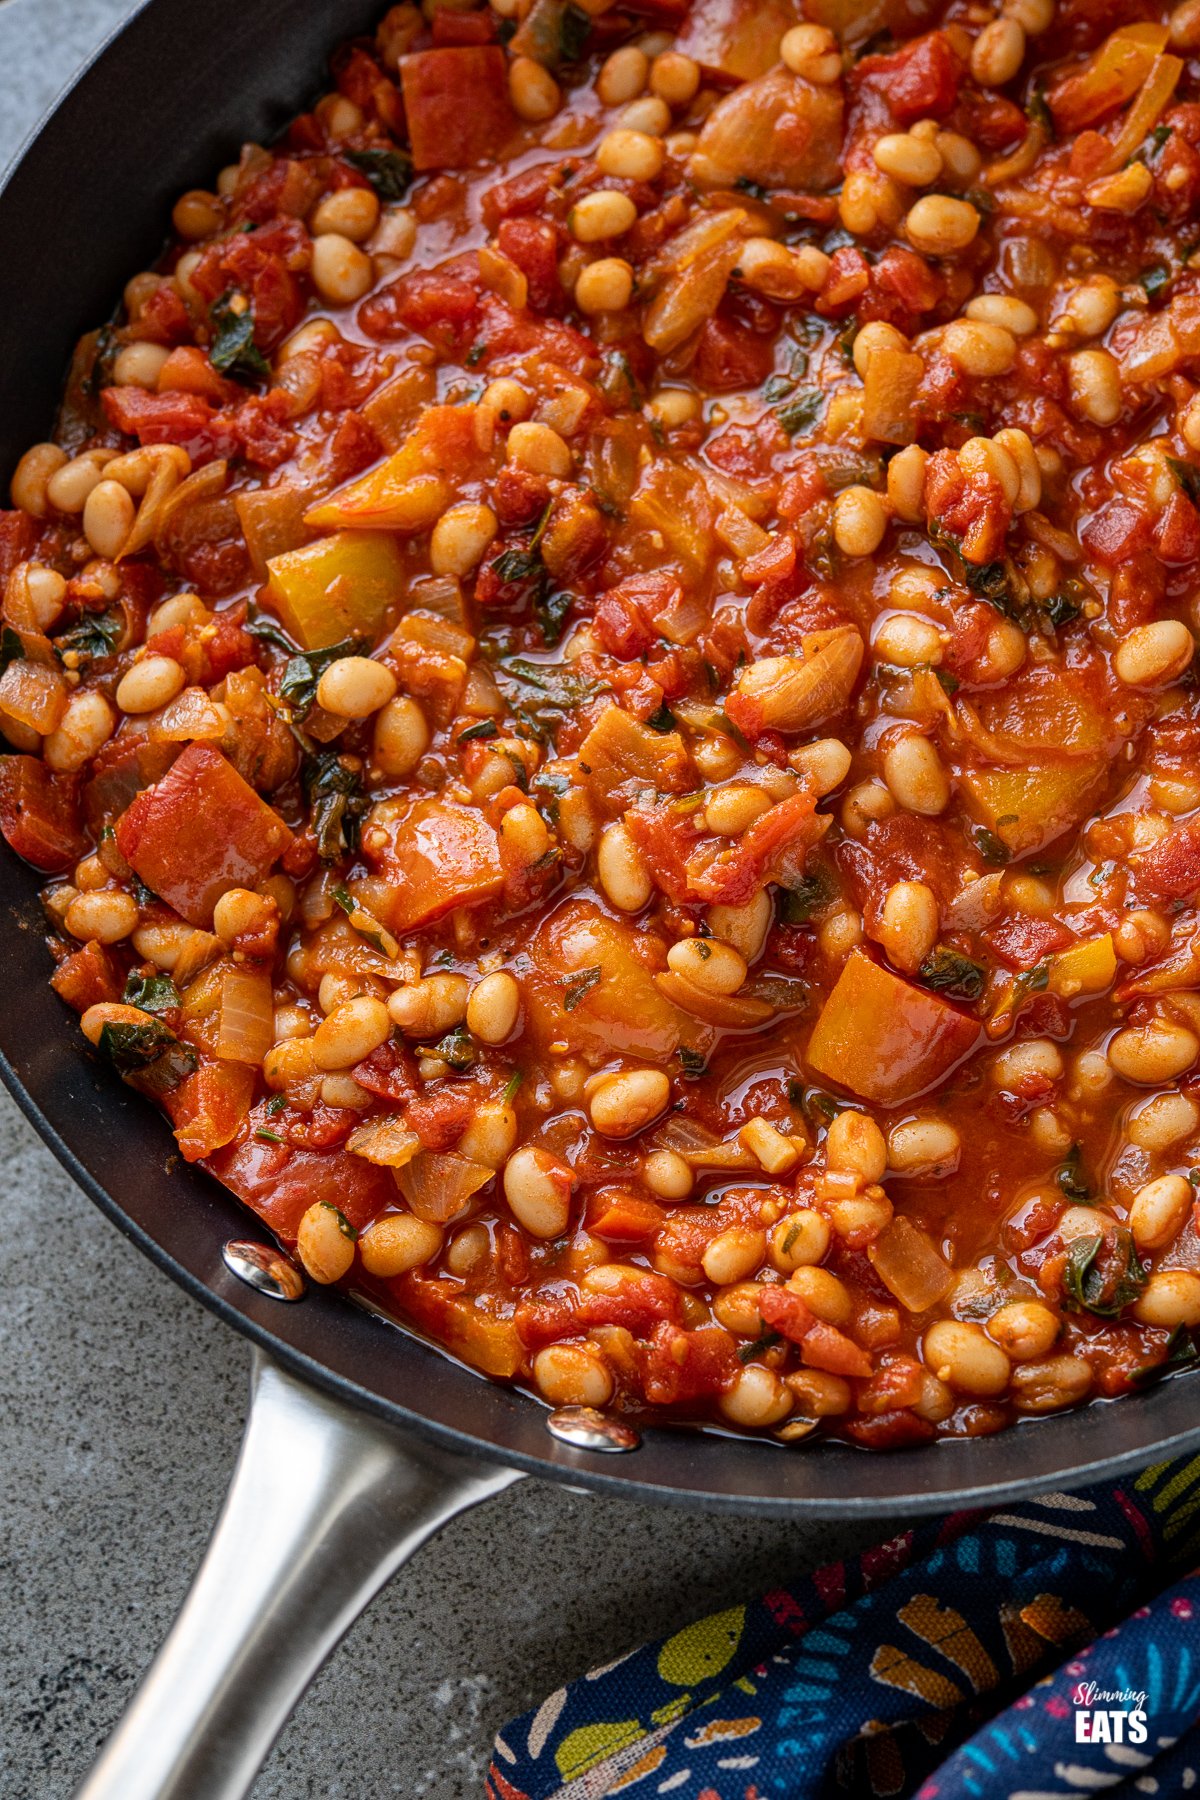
1045 1651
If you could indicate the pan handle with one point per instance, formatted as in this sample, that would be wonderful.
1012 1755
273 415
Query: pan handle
324 1506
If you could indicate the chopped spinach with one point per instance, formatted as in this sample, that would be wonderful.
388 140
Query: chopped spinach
797 408
662 719
747 1352
301 674
692 1064
338 805
573 30
457 1048
263 625
11 648
511 1085
542 694
1037 110
798 902
992 849
1181 1352
1187 475
953 974
233 350
1071 1178
151 1051
486 728
388 171
91 636
1031 981
1155 280
617 381
1103 1275
580 985
153 993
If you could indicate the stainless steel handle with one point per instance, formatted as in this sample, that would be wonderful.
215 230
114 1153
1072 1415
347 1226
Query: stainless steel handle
324 1506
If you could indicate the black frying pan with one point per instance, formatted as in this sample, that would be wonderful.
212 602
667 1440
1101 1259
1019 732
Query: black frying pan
169 100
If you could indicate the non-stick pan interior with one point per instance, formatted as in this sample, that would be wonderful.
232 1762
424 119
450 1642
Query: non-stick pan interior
168 102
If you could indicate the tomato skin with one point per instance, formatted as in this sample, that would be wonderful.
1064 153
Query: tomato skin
1021 940
533 245
677 1367
439 304
39 814
729 356
163 318
199 831
87 976
457 106
1170 868
18 535
920 80
280 1183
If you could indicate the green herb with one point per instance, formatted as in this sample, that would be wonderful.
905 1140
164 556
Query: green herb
1037 110
1071 1178
276 1104
541 695
365 923
475 354
550 610
338 805
800 412
511 1085
268 1137
388 171
662 719
343 1224
1103 1275
522 566
233 350
1156 279
262 625
151 1051
952 974
1060 608
617 381
580 986
1187 475
992 849
1180 1352
819 1106
298 685
755 189
153 993
486 728
1031 981
747 1352
457 1048
797 904
92 635
130 1046
948 683
11 647
573 30
691 1063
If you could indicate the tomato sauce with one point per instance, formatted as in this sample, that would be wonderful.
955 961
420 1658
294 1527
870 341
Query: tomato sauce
601 665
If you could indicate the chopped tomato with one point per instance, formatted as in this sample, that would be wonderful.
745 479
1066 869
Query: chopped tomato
200 831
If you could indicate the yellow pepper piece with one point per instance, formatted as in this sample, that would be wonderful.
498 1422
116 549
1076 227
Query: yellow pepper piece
338 587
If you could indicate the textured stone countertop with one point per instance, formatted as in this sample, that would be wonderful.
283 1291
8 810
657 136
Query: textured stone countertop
122 1414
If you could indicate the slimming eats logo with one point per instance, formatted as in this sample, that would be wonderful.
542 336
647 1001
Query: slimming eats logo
1109 1715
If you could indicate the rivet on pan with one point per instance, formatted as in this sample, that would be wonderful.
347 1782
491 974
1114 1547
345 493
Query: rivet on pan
263 1268
586 1429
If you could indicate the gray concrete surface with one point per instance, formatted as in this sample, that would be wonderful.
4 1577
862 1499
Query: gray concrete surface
119 1426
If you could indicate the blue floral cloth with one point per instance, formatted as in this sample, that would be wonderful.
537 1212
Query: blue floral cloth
1045 1651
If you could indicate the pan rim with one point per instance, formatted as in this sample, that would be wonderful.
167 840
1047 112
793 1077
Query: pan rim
677 1465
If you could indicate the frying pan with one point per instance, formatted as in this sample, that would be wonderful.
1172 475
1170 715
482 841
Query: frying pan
361 1440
